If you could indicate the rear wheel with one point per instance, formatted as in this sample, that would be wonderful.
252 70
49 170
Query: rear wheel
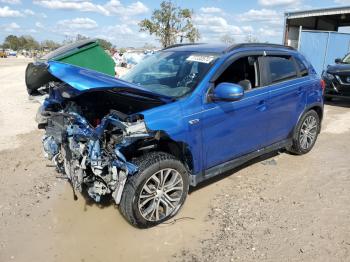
306 133
157 192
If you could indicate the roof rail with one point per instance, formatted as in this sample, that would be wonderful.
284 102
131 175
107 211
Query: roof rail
233 47
181 44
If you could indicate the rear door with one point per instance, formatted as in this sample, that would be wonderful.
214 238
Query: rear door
287 98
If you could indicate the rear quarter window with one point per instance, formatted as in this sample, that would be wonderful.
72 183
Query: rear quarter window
281 68
303 71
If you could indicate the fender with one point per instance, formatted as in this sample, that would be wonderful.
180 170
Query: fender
318 105
169 119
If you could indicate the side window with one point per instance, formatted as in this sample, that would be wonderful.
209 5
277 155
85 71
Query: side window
302 68
281 68
243 71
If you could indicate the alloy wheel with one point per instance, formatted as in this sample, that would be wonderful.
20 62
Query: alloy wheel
308 132
161 194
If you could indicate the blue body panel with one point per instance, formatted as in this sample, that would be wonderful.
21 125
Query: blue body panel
231 124
225 130
287 102
216 132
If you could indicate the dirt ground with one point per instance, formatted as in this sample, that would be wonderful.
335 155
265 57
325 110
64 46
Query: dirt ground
277 208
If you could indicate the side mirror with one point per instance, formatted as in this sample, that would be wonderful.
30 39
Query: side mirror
337 60
227 92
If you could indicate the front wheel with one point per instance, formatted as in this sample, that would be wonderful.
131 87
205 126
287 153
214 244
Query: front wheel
156 192
305 133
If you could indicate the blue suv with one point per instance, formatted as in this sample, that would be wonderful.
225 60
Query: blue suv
181 116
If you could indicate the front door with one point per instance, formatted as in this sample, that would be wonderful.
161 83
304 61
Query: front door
232 129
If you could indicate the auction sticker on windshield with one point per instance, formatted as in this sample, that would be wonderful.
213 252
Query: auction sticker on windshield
201 58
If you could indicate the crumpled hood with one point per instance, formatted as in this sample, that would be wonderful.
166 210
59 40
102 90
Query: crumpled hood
339 69
82 80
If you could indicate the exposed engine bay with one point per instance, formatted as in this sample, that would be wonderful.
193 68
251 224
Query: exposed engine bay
90 137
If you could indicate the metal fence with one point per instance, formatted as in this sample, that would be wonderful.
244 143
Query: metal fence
322 48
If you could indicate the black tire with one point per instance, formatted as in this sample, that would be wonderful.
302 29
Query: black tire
297 147
328 99
149 164
31 91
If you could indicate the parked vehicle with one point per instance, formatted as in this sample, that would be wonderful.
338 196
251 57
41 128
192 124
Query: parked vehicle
181 116
337 79
10 52
3 54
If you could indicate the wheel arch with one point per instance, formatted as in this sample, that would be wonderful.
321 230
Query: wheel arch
317 107
164 143
178 149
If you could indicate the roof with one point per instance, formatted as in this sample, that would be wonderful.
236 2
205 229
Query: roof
222 48
318 12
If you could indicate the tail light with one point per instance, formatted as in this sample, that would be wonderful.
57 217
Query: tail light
323 85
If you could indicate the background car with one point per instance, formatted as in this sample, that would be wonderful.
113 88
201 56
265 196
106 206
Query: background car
337 79
3 54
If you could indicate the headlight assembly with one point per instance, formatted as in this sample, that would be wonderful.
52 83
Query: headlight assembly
327 75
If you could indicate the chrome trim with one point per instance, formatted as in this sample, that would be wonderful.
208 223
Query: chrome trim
340 81
193 121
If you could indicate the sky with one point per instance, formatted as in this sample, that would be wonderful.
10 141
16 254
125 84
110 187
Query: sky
117 20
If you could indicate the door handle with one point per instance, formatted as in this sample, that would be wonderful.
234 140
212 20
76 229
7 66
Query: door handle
300 91
261 106
193 121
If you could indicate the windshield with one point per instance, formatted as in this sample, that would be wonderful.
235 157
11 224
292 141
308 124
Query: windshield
169 73
346 59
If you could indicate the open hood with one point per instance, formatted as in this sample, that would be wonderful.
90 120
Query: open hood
85 80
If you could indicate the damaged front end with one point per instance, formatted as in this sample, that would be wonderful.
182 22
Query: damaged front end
92 127
90 156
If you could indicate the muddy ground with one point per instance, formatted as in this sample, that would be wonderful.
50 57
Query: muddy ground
277 208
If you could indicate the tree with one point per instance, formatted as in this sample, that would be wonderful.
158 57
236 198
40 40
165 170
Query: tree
251 39
105 44
171 24
72 39
28 42
80 37
149 46
23 42
227 39
122 50
49 44
11 42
